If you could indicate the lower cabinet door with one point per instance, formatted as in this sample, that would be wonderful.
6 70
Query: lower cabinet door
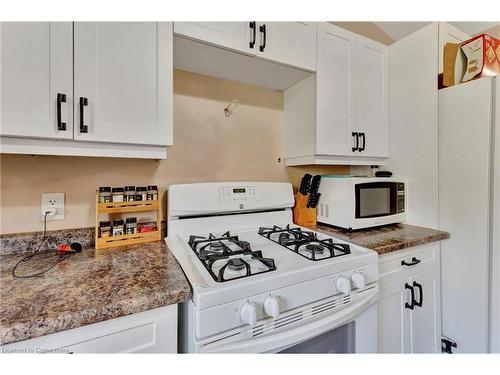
394 331
151 331
426 319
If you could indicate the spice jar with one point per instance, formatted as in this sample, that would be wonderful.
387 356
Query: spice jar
104 194
152 193
141 193
129 193
117 194
104 229
118 227
130 225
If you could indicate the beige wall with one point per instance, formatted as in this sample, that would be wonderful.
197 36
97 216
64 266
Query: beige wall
207 147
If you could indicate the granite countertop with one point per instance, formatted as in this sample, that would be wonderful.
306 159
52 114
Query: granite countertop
387 238
85 288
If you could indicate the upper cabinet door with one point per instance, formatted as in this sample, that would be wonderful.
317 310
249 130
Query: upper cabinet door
449 34
36 66
372 97
335 90
290 43
123 82
232 35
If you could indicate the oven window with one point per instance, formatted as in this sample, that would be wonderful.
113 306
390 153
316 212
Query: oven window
338 340
375 199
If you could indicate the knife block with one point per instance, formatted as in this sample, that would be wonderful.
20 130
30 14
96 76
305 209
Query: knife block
302 215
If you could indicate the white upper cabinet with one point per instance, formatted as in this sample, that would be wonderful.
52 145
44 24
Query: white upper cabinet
232 35
349 118
335 90
36 67
448 34
290 43
372 97
123 82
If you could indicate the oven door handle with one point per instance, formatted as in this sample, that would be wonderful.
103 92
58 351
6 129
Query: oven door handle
297 334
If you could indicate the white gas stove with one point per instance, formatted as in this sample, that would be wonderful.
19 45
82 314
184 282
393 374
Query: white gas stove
261 283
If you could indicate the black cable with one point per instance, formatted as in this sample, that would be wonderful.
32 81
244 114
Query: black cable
28 257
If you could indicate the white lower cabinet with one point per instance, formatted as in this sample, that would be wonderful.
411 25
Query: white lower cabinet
409 308
152 331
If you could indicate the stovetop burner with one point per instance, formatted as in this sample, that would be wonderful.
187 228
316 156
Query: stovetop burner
227 258
305 243
236 264
316 249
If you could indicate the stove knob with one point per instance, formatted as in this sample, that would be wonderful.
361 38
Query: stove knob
272 306
248 313
343 284
358 280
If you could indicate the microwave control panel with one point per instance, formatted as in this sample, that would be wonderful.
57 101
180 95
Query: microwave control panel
400 197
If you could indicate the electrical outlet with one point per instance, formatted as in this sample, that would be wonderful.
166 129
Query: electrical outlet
53 201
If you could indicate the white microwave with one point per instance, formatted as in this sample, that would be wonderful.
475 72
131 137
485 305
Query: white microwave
361 202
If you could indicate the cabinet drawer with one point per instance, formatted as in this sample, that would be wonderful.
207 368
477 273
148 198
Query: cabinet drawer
417 259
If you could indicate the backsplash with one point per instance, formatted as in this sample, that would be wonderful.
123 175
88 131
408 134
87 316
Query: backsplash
207 147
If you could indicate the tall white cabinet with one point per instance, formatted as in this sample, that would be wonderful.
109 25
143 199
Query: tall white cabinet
348 120
98 88
36 67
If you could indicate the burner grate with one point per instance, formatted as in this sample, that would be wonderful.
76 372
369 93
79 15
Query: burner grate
297 239
212 250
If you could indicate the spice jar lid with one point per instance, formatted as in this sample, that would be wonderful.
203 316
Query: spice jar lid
104 223
130 220
117 190
141 188
105 189
152 187
117 222
129 188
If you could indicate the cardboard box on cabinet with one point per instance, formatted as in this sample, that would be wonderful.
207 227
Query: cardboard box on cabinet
475 58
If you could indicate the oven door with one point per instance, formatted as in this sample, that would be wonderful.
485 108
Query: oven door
349 330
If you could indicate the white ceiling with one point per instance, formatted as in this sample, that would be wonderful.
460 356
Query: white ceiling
398 30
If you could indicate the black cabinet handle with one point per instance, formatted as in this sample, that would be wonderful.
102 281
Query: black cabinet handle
254 31
61 98
410 305
363 137
262 29
356 141
83 103
413 262
421 292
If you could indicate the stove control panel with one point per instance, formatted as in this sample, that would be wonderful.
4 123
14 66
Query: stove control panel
272 305
238 194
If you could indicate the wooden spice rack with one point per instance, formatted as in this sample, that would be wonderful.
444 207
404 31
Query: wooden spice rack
121 208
